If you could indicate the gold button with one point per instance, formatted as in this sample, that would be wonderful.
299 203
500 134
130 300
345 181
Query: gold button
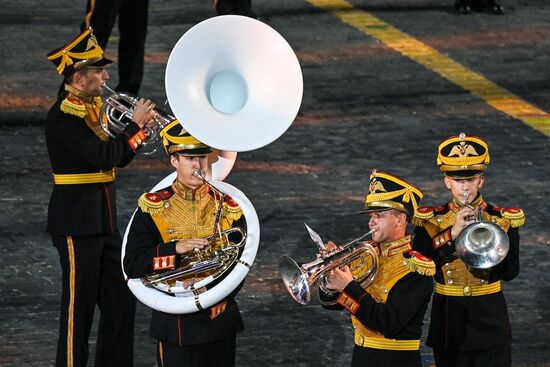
450 281
467 290
449 272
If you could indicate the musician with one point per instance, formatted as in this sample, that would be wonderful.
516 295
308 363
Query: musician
469 318
175 221
387 314
82 210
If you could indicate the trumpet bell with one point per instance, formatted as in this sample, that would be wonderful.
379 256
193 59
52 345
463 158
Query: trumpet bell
295 280
234 83
482 245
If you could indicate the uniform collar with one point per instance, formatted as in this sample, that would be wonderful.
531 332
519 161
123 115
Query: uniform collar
188 193
84 97
455 205
398 246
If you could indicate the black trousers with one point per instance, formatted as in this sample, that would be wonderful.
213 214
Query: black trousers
363 356
132 26
239 7
496 357
219 353
92 275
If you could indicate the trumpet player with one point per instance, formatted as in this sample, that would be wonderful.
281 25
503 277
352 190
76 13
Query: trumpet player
387 314
173 222
82 210
469 317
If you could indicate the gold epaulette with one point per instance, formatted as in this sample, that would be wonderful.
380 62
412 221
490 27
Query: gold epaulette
153 202
231 209
421 214
421 264
73 107
516 216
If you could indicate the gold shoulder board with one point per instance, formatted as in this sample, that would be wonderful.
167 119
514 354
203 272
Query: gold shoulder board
231 209
421 264
516 216
422 214
152 203
74 107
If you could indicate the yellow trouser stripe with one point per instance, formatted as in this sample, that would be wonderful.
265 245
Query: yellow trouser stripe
70 316
84 178
496 96
388 344
467 290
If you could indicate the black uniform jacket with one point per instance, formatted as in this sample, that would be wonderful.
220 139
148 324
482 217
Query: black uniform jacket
83 209
143 245
400 315
466 323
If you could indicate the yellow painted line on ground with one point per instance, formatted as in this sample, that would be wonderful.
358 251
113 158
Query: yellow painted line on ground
496 96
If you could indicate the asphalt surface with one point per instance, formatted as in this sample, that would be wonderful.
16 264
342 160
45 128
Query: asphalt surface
365 106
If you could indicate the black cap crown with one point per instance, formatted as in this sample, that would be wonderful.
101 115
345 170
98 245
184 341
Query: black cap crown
390 192
176 140
83 51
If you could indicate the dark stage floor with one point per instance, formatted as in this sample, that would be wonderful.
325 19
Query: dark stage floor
374 97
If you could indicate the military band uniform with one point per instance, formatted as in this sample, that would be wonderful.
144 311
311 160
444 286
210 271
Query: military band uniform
206 337
82 218
469 317
387 314
469 312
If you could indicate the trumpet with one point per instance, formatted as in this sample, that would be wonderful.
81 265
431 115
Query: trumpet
298 279
119 107
481 244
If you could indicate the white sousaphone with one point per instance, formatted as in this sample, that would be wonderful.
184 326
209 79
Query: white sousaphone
235 84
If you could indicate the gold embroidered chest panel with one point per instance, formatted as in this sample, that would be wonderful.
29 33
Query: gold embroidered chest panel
392 267
188 215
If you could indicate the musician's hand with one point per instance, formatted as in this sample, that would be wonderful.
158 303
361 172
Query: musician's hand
463 218
339 278
144 112
329 247
191 244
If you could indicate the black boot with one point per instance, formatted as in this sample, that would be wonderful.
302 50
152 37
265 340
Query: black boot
494 8
463 7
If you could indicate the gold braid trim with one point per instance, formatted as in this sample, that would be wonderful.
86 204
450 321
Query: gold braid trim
149 206
423 266
419 222
232 212
72 108
515 216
